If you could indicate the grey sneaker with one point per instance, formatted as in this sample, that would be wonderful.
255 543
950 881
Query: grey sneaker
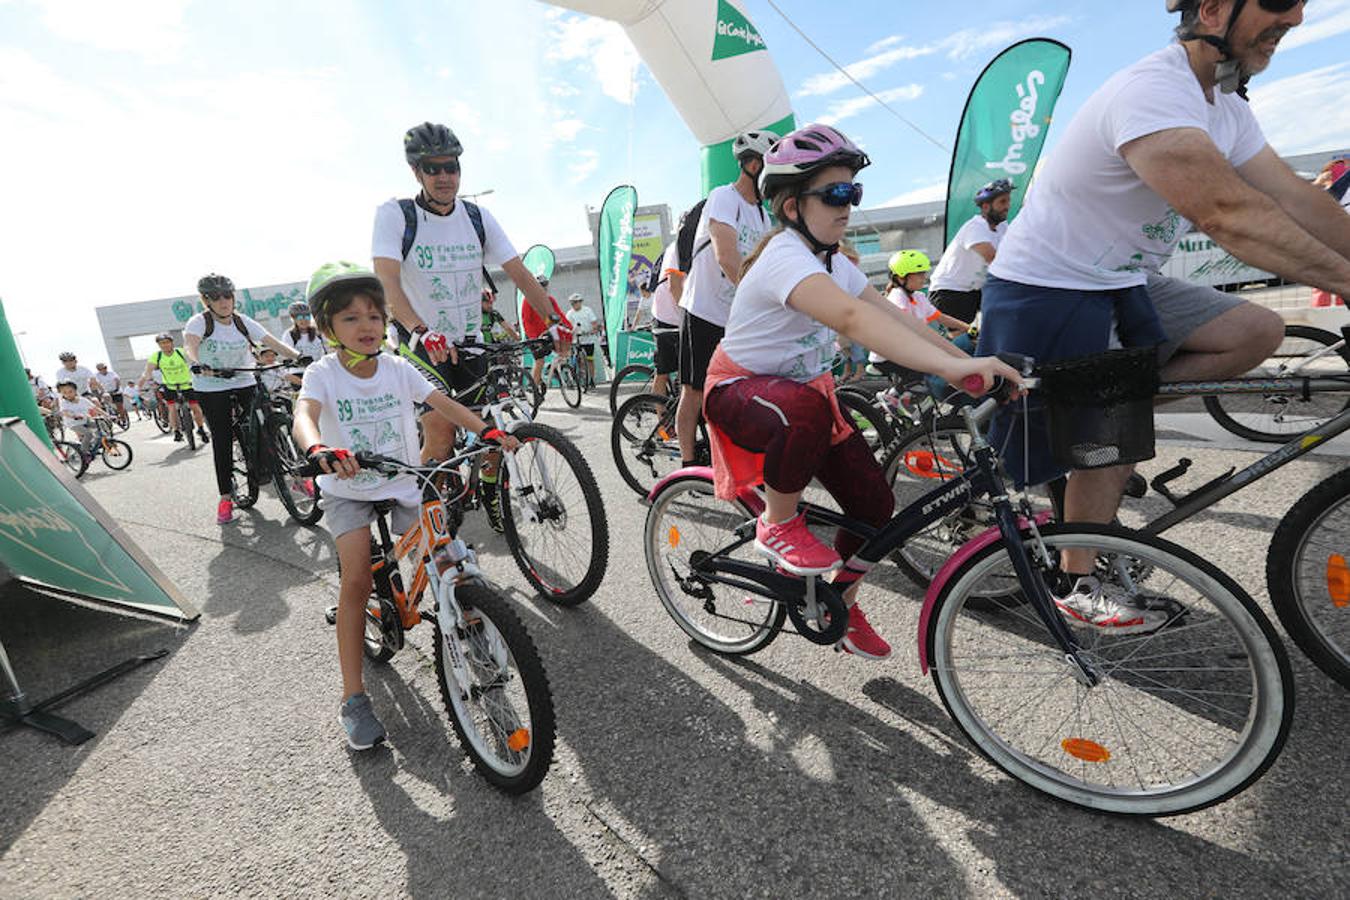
1106 608
358 721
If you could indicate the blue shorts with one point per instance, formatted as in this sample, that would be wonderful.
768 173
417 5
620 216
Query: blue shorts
1051 324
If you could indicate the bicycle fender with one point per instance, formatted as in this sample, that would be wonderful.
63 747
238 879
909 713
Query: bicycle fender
749 498
944 574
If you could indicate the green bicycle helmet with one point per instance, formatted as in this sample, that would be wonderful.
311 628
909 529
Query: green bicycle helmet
908 262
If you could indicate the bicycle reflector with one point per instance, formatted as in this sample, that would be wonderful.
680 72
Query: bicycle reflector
1086 750
926 464
519 739
1338 581
673 536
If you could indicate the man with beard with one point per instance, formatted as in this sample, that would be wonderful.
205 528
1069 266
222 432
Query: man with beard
960 274
1166 142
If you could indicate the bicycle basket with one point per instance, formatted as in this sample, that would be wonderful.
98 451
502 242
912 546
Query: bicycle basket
1101 407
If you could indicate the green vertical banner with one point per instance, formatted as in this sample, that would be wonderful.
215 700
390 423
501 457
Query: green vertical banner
617 216
16 395
538 260
1005 123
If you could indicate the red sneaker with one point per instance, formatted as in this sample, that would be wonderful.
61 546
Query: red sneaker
792 546
861 639
225 512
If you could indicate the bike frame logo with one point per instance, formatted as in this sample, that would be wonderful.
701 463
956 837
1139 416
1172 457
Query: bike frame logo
1023 126
735 34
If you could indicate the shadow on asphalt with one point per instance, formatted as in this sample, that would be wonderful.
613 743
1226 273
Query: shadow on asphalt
233 586
54 643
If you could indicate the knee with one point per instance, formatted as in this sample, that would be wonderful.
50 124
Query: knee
1265 332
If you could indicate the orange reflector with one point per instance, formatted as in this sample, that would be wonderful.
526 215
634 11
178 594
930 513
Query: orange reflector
1086 750
926 464
519 739
673 537
1338 580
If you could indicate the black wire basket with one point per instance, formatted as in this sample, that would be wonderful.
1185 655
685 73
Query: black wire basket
1101 407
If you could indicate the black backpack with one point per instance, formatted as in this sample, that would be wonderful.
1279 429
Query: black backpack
1340 186
238 323
409 208
684 241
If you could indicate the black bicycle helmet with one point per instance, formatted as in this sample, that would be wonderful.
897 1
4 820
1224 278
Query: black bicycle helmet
427 140
214 284
65 355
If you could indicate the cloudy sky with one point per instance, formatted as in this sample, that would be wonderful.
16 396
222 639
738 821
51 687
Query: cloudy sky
146 142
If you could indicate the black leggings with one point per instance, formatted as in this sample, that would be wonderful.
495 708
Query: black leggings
216 407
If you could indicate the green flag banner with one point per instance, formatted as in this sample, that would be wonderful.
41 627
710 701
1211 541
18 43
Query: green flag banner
616 254
16 395
54 534
538 260
1004 126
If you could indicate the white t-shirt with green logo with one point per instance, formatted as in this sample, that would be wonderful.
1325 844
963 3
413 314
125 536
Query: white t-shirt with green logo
1090 222
225 348
707 291
374 415
443 274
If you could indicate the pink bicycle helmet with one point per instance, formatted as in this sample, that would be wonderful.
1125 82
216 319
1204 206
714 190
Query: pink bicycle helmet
805 150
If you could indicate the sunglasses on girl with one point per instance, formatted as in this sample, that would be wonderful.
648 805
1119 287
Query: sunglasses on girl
431 168
841 193
219 295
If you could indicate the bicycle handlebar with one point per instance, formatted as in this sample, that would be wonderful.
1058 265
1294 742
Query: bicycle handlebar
230 373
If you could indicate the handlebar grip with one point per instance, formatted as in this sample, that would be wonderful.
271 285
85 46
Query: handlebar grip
973 385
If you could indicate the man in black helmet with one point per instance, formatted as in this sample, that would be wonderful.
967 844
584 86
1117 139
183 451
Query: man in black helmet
430 254
1167 142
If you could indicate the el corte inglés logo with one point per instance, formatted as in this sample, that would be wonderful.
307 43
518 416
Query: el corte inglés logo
735 34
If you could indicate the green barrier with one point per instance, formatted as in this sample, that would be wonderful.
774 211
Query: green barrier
53 533
16 396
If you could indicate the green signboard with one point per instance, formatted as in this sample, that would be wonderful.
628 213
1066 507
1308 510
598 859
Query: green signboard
54 534
635 347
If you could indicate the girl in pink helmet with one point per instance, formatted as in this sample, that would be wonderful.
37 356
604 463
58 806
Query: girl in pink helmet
769 399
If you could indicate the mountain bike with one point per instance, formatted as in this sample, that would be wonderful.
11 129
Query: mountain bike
569 383
553 517
1159 723
642 440
492 681
262 448
580 366
175 397
115 453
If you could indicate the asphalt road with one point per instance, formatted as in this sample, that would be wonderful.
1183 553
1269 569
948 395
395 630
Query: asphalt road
220 770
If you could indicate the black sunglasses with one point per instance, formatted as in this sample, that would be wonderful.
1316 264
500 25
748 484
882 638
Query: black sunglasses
431 168
219 295
841 193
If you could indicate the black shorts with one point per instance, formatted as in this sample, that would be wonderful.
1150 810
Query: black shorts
453 380
587 350
166 393
963 305
698 339
666 357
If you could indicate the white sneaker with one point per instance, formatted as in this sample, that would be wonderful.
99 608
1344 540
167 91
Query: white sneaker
1107 609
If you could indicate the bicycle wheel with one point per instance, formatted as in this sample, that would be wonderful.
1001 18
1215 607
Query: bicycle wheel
300 496
553 517
642 439
570 387
528 394
633 378
1272 419
71 457
160 413
116 453
1183 717
185 425
1308 577
686 521
244 483
384 626
495 689
869 419
123 420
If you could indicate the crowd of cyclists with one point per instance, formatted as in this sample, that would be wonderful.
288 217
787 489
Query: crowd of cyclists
752 324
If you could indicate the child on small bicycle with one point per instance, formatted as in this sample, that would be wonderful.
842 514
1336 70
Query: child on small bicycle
357 399
78 413
905 290
769 399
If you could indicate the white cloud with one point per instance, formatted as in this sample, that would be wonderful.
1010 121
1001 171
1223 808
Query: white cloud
605 46
926 194
1298 113
566 130
587 161
961 45
847 109
152 29
1322 20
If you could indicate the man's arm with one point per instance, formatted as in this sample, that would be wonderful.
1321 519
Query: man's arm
676 280
534 292
986 251
389 272
724 247
1309 206
1185 168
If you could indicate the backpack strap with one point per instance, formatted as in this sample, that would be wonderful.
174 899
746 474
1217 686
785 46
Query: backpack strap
211 328
409 207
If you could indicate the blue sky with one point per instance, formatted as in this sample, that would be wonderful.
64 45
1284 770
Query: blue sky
149 141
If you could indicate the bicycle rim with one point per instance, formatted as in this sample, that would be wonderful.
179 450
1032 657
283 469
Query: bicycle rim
1185 716
567 383
553 516
300 496
642 440
116 454
687 519
495 690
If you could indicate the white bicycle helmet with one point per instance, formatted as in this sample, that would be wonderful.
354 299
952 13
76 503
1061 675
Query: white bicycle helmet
752 143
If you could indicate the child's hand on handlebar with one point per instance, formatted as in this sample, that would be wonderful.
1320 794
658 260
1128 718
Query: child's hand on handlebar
337 461
978 375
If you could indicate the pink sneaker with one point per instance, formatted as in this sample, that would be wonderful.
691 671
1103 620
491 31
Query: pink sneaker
791 545
225 512
861 639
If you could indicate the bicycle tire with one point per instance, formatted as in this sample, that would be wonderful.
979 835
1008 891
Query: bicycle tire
161 416
529 394
384 626
620 383
302 505
1307 586
686 518
123 420
243 470
185 423
71 456
1158 679
870 420
569 386
490 645
116 454
642 440
1312 412
548 511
